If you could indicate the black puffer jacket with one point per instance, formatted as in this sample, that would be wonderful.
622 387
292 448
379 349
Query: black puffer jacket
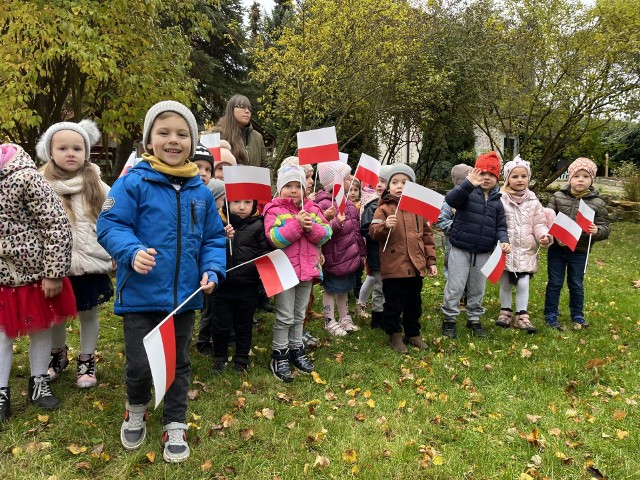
479 222
248 243
373 249
564 201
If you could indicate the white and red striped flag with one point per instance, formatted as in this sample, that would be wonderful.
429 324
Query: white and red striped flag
160 344
316 146
212 142
368 170
566 230
243 182
132 161
495 265
421 201
338 193
585 216
344 157
276 272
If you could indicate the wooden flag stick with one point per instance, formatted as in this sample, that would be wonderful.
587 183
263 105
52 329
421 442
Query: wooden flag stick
228 223
391 229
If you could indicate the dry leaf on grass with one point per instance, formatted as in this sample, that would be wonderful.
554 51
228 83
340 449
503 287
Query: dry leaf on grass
350 456
321 461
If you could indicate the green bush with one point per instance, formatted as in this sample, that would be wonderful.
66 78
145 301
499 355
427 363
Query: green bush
630 175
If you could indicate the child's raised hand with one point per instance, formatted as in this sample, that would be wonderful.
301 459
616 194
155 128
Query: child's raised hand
593 229
330 213
475 176
544 240
145 261
506 248
51 287
391 221
208 286
229 231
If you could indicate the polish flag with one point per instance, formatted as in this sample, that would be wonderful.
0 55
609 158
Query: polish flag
132 161
212 142
316 146
276 272
421 201
344 157
585 216
247 183
495 265
367 170
338 193
160 344
566 230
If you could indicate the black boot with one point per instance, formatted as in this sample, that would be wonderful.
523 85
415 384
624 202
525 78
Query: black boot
5 404
40 392
449 328
299 359
280 365
476 329
263 301
376 319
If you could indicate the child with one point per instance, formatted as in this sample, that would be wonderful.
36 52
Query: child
527 228
343 253
235 302
409 254
160 224
445 219
36 256
479 223
66 147
204 343
354 196
226 158
298 228
373 282
204 161
582 173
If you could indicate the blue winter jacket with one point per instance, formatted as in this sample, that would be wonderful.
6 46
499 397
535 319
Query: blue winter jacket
478 223
144 210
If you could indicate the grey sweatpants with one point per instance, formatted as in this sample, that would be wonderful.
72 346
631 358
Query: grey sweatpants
291 307
464 271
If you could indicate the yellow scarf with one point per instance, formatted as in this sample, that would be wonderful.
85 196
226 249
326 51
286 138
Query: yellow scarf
187 170
580 194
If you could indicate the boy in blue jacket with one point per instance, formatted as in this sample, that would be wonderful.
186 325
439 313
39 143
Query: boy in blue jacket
161 225
477 226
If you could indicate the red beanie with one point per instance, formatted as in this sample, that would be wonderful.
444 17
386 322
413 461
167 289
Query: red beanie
489 162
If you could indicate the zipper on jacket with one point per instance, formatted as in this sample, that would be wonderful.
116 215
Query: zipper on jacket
178 253
124 281
194 217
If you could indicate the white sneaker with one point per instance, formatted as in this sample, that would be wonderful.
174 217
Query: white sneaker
334 328
134 428
174 439
347 324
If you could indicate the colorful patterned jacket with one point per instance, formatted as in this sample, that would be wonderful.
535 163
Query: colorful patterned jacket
283 231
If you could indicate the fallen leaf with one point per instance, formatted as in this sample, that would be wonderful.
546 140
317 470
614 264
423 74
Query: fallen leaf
349 456
83 466
339 357
97 450
595 473
366 394
206 466
556 432
241 403
76 449
533 418
193 394
317 379
371 403
247 433
33 447
438 460
619 414
16 451
43 418
636 283
330 396
622 434
268 413
402 403
524 353
151 456
227 420
360 417
321 461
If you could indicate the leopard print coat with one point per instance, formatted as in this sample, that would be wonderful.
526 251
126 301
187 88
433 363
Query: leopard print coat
35 233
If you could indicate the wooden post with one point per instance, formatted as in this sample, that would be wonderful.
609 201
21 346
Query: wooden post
606 165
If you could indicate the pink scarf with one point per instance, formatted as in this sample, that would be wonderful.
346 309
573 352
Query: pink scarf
6 153
517 197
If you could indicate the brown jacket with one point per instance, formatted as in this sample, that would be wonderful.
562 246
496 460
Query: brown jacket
411 247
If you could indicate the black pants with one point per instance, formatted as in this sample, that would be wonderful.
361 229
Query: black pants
402 298
137 373
233 308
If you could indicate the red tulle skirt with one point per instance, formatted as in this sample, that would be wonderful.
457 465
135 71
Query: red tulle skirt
24 309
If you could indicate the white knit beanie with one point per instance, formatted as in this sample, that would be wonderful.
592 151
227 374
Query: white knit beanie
290 173
327 172
385 170
170 106
296 161
87 129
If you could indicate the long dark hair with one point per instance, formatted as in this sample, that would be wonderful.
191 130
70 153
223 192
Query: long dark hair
231 131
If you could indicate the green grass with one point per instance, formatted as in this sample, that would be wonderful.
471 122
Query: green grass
467 403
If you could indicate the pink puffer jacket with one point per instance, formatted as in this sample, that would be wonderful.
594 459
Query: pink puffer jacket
283 231
526 223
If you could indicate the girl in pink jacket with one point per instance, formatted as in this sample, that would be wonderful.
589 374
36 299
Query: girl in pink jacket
527 227
296 225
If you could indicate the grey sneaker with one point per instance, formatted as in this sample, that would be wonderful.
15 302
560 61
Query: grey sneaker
174 439
134 426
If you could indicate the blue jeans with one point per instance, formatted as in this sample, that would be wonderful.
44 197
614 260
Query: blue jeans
559 260
137 373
